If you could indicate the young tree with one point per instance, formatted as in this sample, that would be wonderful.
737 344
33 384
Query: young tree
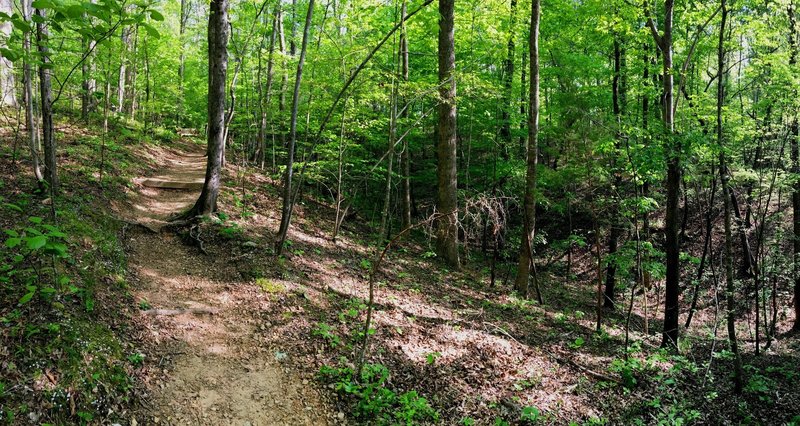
447 196
726 196
288 202
218 69
48 137
8 95
525 266
31 122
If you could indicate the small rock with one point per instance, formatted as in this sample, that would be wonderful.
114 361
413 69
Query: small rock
251 244
340 416
134 422
305 381
34 416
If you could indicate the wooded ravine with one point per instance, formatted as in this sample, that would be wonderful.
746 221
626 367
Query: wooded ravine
399 212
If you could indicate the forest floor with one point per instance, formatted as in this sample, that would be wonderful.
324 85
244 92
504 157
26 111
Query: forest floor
263 339
198 317
206 325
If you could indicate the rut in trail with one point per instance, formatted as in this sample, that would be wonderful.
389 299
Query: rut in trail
202 316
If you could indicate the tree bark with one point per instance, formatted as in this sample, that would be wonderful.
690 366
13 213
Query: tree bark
525 266
184 17
48 136
447 200
286 210
618 103
218 69
405 158
8 95
31 123
795 153
673 151
508 76
724 178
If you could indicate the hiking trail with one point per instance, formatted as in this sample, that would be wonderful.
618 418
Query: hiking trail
214 369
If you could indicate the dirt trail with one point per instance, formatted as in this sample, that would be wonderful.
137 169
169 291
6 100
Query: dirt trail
202 316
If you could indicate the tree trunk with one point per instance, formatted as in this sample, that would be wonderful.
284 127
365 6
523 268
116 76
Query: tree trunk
123 65
508 77
405 158
31 123
218 68
672 247
48 136
724 178
288 201
618 104
8 95
182 58
795 134
447 205
524 268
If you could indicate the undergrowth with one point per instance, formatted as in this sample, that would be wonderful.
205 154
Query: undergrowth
64 358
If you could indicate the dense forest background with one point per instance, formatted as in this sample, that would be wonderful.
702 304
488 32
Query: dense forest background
612 184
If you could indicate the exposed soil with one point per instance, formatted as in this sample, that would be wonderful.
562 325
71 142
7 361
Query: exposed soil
199 319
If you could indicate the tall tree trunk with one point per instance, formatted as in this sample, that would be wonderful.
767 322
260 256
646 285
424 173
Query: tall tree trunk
284 77
795 135
132 73
8 95
264 94
31 123
48 133
218 69
288 201
405 158
726 190
618 105
673 152
123 65
524 268
447 205
88 83
508 76
182 58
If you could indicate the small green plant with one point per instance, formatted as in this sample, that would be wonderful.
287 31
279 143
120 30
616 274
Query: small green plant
269 286
365 264
136 358
374 401
428 255
326 332
144 305
530 415
431 357
577 344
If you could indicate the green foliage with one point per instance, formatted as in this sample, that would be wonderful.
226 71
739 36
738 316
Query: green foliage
326 332
373 400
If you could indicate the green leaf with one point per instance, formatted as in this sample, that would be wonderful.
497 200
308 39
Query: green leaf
27 297
42 4
156 15
13 242
13 207
35 219
152 32
37 242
